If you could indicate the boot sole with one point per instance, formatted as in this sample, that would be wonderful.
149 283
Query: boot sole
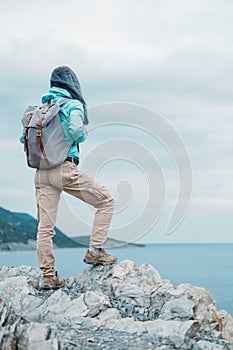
99 263
50 287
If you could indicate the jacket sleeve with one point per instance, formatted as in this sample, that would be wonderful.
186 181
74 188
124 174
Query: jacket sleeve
21 139
75 126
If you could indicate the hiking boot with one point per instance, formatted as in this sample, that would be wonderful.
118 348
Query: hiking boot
101 258
52 282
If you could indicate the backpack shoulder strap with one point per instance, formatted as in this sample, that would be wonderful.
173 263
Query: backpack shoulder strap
64 100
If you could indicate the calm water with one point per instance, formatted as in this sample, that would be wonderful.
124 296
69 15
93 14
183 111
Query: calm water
206 265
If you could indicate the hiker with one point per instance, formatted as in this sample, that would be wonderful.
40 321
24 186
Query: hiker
67 177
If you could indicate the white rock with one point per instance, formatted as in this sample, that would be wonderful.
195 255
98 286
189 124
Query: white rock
96 299
206 345
198 294
121 270
226 325
15 271
160 294
36 336
55 305
20 294
133 288
174 330
59 305
163 288
127 325
149 274
106 317
178 308
204 302
166 328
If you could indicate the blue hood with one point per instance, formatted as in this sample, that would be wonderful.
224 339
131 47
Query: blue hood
55 94
64 77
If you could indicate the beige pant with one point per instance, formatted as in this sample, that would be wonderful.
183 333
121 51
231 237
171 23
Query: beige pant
49 185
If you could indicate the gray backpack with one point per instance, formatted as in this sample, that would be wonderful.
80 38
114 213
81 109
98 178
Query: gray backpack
44 141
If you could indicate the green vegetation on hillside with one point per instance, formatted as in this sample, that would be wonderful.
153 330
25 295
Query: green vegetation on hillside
20 227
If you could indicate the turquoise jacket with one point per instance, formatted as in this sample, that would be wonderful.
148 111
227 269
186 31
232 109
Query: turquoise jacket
72 115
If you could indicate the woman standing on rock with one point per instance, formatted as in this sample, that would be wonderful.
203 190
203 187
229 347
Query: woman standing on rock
67 177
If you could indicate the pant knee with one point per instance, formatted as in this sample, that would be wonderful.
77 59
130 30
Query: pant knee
111 202
109 205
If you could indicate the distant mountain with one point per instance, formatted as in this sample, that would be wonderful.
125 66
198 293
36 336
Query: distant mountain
110 243
18 232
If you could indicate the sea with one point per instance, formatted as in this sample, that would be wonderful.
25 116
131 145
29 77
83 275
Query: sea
204 265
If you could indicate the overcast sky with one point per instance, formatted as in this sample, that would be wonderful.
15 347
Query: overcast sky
173 57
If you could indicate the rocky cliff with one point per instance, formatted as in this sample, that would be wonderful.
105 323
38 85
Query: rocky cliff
109 307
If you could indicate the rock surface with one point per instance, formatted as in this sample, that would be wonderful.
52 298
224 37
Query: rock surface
109 307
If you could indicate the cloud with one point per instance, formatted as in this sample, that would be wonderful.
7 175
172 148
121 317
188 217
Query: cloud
174 57
153 36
